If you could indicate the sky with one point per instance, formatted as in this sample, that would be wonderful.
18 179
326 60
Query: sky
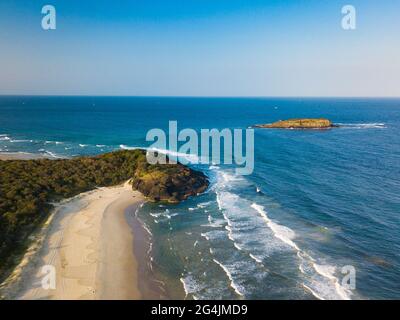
200 48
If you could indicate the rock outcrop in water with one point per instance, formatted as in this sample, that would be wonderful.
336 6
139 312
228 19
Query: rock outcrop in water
299 124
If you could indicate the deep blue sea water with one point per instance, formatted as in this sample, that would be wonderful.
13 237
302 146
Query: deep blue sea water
328 199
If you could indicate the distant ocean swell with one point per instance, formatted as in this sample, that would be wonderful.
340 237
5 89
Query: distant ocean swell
60 149
54 149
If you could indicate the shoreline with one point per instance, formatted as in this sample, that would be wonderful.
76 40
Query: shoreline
23 156
149 285
89 244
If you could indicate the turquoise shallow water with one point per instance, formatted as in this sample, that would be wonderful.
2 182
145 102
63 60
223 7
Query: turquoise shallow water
327 199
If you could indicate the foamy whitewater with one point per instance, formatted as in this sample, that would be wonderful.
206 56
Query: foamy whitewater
317 202
241 239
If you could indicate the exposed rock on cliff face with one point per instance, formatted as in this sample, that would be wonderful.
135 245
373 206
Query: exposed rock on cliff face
168 182
299 124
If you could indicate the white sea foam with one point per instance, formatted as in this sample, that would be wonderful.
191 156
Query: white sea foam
374 125
52 154
230 234
327 287
320 281
234 286
228 178
325 270
145 227
125 147
205 236
192 158
214 222
329 271
219 202
155 215
315 294
204 204
20 140
178 155
227 220
229 198
283 233
255 258
190 285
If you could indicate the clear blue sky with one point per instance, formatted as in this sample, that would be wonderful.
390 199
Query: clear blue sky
200 48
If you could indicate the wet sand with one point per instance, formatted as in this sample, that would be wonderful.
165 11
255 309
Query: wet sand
150 286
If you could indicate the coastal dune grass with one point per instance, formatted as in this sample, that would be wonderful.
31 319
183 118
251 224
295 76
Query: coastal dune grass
29 187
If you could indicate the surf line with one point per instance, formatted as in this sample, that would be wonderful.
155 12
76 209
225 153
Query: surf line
232 283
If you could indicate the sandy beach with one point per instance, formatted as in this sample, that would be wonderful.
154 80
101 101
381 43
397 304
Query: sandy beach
89 245
22 156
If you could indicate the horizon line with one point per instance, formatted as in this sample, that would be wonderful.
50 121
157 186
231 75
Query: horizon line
200 97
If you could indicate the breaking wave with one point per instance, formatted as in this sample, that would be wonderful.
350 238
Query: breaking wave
362 125
319 279
239 291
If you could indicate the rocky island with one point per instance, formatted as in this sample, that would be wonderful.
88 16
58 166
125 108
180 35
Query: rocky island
299 124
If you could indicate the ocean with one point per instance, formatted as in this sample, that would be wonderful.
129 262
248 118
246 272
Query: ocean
318 204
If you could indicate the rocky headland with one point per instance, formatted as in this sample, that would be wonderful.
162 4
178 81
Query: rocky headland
30 189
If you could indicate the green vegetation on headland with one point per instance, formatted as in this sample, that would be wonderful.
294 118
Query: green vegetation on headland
299 124
28 187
